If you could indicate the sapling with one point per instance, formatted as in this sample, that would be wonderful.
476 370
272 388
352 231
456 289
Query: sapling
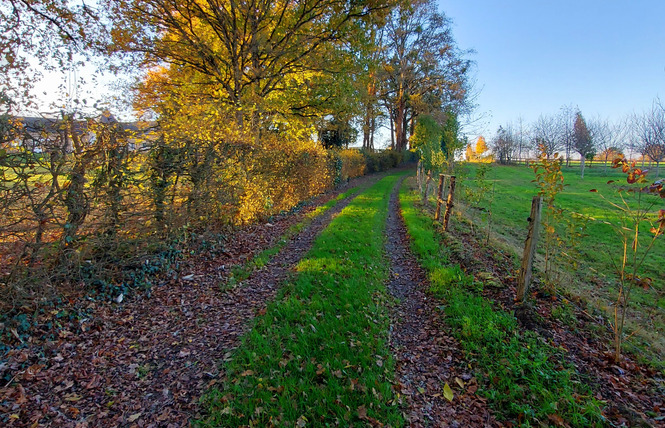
549 180
635 210
562 230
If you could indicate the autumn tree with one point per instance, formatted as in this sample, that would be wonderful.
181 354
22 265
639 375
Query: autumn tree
504 145
521 138
566 132
608 139
370 88
452 140
469 153
423 69
481 147
337 133
426 140
254 61
582 141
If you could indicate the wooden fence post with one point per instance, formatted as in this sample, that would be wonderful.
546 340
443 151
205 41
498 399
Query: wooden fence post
449 204
529 249
439 195
427 181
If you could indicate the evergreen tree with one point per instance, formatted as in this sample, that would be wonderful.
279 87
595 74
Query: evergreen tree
582 141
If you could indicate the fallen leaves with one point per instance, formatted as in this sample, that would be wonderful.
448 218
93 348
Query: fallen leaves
425 355
301 422
134 363
134 417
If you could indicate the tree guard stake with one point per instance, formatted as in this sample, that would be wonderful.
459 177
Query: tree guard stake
529 249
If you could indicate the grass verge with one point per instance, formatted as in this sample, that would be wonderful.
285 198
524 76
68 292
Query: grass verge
319 355
594 280
525 380
243 271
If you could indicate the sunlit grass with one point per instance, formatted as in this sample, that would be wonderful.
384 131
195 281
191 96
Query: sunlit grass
319 354
525 380
600 250
243 271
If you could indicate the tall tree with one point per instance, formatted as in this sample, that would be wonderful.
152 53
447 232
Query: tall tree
607 138
369 91
452 140
254 60
481 147
504 145
566 125
522 138
582 141
423 71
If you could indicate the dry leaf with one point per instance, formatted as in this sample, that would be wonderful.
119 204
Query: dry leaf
134 417
447 392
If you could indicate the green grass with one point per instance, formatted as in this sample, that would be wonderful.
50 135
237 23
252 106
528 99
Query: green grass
600 249
243 271
525 380
319 355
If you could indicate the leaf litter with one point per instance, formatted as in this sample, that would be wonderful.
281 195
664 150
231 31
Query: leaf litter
146 361
428 360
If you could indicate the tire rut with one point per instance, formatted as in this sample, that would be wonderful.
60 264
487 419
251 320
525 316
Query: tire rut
426 357
147 361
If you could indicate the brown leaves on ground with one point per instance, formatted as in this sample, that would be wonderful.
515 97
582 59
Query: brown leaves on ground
147 361
436 386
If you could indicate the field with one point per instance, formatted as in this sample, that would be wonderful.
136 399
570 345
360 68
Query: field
600 249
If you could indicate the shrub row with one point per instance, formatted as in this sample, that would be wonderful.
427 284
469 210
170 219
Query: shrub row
98 202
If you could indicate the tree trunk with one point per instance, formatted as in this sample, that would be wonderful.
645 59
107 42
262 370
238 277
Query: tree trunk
400 126
392 129
75 194
582 159
372 130
405 140
605 166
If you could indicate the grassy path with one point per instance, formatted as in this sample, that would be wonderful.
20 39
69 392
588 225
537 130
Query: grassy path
147 361
433 376
525 380
242 271
319 354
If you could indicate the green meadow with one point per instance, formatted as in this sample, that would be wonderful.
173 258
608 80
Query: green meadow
600 249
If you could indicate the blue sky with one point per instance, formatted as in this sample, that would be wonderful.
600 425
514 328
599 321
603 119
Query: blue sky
533 57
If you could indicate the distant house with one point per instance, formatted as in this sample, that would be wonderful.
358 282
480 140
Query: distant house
47 134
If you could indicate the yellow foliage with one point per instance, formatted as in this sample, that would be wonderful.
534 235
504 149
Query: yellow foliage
277 178
353 164
481 152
